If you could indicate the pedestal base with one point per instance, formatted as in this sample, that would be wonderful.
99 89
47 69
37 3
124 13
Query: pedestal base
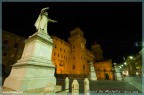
118 76
92 72
27 77
35 69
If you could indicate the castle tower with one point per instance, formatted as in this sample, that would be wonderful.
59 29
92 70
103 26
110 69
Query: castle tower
77 41
98 52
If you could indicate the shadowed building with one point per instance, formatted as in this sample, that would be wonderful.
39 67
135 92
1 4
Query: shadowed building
134 64
138 62
98 52
12 48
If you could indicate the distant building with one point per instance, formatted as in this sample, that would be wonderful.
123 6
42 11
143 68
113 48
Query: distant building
138 62
104 69
98 52
134 64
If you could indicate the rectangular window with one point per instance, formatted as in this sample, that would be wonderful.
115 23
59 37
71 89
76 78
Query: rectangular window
73 66
54 54
16 45
60 49
73 46
84 67
58 55
73 50
5 47
73 58
5 42
4 54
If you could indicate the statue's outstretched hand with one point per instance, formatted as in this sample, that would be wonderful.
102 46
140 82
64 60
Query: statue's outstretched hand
55 21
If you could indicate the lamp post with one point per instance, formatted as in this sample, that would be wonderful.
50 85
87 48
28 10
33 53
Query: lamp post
131 65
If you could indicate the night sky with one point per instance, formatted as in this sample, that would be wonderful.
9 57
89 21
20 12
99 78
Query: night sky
115 26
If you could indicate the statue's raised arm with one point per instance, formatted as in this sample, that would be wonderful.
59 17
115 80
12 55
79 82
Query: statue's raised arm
41 23
44 10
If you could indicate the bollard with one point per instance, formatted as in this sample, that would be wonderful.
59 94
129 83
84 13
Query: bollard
75 87
49 90
86 87
67 84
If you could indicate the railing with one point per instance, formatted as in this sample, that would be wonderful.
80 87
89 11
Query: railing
75 86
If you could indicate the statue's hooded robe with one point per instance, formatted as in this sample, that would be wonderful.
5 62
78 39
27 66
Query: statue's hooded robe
41 22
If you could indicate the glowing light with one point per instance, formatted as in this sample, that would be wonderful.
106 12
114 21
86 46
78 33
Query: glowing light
131 57
125 63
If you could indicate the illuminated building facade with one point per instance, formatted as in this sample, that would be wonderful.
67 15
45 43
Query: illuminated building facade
104 70
72 57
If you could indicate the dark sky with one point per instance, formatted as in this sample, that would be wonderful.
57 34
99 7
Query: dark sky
115 26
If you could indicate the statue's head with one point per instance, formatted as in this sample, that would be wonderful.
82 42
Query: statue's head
45 13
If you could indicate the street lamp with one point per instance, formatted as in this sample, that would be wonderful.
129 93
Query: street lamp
131 57
125 63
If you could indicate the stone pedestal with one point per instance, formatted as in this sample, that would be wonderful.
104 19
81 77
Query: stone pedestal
35 69
92 72
117 73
